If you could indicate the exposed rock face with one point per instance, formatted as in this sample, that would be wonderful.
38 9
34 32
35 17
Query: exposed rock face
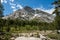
28 13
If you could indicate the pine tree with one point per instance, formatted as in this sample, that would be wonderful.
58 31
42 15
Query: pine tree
57 12
1 15
1 9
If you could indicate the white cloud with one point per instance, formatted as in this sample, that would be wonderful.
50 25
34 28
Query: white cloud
3 1
12 0
50 11
19 6
12 4
13 7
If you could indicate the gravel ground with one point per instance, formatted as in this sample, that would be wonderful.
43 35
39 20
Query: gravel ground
27 38
30 38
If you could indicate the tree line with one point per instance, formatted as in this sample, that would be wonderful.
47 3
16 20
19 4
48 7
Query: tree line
41 25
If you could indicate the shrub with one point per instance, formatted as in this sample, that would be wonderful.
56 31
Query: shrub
53 36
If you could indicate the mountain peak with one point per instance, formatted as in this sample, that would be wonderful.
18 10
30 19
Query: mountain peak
29 9
27 13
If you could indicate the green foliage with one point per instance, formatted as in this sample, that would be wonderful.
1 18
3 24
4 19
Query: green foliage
53 36
1 10
57 12
1 20
27 25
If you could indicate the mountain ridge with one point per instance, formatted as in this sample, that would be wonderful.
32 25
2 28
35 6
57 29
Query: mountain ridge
27 13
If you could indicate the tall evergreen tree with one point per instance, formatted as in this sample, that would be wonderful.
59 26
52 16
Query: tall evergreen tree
1 15
57 12
1 9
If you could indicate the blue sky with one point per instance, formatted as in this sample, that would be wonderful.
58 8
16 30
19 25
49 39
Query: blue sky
13 5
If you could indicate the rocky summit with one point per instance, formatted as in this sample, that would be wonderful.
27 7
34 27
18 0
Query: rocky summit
27 13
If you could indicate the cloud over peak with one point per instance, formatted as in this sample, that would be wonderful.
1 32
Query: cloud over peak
13 5
50 11
20 7
12 0
3 1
